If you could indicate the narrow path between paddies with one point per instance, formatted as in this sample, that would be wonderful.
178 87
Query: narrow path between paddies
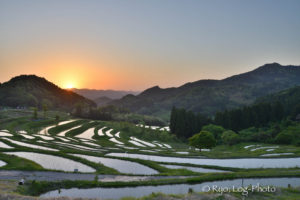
122 166
88 134
100 131
5 146
53 162
63 133
108 133
60 176
30 145
5 134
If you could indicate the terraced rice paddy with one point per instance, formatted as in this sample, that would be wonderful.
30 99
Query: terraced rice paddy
106 148
5 146
88 134
5 134
30 145
53 162
194 169
120 165
235 163
2 163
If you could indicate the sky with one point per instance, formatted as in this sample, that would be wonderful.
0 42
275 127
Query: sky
137 44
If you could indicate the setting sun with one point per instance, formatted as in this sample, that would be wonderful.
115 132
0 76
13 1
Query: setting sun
69 86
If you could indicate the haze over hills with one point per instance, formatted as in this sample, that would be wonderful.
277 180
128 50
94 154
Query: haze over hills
210 96
97 94
31 90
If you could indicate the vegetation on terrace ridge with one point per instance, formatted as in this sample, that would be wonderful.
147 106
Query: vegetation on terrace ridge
209 96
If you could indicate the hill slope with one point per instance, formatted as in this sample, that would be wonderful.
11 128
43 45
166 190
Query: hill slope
210 96
31 90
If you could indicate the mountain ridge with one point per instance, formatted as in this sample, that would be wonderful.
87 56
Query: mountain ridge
209 96
32 90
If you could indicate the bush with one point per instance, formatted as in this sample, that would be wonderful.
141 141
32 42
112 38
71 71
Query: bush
203 140
230 137
284 138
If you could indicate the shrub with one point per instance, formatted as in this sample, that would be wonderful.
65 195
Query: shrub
202 140
230 137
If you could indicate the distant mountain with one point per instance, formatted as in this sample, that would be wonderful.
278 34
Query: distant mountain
210 96
94 94
31 90
102 101
289 98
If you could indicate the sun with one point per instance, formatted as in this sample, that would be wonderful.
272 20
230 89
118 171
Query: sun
69 86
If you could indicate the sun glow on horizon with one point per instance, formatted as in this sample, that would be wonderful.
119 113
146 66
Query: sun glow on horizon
69 85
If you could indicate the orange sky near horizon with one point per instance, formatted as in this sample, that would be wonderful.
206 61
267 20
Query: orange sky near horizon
135 45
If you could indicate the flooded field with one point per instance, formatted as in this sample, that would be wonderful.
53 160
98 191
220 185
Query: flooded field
122 166
53 162
116 193
236 163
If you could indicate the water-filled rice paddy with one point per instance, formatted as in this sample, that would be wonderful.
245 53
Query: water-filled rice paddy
53 162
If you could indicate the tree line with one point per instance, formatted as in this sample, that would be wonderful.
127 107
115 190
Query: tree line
186 123
256 115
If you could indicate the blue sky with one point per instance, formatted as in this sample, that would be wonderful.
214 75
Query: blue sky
135 44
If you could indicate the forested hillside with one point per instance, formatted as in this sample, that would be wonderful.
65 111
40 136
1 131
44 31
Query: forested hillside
283 105
31 90
210 96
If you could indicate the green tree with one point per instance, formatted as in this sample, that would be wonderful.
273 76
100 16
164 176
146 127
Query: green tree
203 140
230 137
45 109
214 129
35 113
